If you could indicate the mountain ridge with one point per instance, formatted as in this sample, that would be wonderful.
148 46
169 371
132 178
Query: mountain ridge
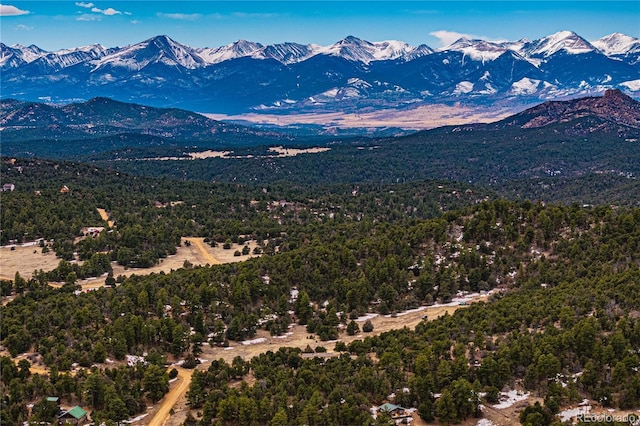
246 76
612 109
612 44
101 117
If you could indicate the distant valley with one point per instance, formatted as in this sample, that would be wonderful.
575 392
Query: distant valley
556 151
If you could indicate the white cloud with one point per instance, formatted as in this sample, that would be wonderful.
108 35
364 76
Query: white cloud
255 15
135 21
23 27
88 17
180 16
108 11
8 10
449 37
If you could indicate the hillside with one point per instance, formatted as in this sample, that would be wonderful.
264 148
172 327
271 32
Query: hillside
103 117
560 324
586 145
614 112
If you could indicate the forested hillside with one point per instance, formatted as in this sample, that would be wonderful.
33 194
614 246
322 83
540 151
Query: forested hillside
562 321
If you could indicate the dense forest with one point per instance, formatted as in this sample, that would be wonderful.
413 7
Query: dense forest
562 321
534 163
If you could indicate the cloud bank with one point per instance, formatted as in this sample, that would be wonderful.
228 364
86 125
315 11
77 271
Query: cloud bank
8 10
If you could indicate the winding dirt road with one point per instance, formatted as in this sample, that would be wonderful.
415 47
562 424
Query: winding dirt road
172 397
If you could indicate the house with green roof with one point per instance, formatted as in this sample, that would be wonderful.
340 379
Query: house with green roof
74 416
398 414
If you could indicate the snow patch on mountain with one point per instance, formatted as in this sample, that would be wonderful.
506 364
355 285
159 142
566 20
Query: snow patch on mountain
524 86
361 84
487 89
632 85
463 87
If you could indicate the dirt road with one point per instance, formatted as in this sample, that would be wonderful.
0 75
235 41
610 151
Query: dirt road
298 337
172 398
199 242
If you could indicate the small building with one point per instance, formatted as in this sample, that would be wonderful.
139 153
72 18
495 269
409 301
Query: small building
64 189
8 187
396 412
92 231
73 416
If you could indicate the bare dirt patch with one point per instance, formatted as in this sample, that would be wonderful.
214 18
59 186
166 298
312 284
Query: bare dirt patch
298 337
292 152
105 216
25 259
276 152
29 258
419 118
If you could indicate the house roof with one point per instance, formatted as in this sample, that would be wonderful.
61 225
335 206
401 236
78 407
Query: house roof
388 407
76 412
53 399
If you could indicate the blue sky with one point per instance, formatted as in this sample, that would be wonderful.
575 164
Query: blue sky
54 25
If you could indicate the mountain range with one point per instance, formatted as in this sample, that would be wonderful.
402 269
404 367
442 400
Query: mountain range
350 75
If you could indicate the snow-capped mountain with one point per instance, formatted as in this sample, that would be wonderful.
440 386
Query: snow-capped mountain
156 50
15 56
286 53
53 62
620 46
358 50
617 44
347 75
478 50
564 41
237 49
350 48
